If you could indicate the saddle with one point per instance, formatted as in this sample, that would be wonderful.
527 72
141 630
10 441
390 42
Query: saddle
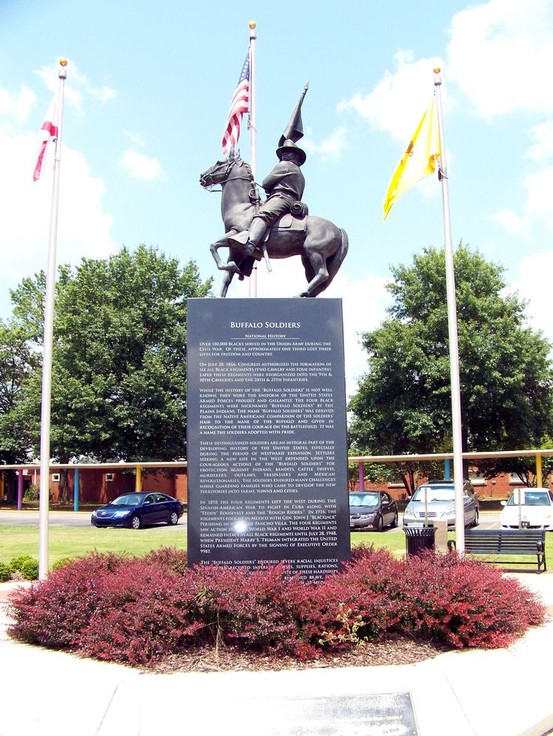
295 220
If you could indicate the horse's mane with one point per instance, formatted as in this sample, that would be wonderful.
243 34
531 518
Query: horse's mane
240 162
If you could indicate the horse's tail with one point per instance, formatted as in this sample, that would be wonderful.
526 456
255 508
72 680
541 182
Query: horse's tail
334 262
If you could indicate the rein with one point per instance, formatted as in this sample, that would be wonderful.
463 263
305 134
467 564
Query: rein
253 193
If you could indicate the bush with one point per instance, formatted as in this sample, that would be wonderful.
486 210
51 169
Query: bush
62 562
139 610
23 567
32 494
29 569
5 573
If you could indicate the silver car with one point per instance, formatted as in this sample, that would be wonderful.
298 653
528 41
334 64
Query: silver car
435 501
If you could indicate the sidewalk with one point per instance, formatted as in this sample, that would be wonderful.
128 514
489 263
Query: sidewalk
470 693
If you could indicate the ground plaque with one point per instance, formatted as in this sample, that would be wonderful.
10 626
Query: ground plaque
371 714
266 419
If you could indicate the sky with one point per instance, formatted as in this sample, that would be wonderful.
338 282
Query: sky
146 100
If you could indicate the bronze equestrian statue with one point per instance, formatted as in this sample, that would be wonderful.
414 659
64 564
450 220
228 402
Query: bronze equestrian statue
276 228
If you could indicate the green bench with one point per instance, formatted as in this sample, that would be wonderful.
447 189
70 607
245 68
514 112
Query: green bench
506 542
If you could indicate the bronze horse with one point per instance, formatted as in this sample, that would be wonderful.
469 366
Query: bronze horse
321 244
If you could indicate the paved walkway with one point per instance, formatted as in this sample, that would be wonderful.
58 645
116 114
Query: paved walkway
502 692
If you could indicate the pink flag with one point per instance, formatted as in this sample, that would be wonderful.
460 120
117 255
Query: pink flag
49 132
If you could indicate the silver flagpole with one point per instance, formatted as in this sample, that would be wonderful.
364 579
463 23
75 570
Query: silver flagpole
452 331
252 281
44 496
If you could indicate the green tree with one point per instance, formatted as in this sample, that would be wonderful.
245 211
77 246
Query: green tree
119 364
403 404
18 360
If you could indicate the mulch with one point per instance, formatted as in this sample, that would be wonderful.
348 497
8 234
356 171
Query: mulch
394 650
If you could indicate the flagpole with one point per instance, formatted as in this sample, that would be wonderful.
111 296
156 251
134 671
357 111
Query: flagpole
452 331
44 494
252 281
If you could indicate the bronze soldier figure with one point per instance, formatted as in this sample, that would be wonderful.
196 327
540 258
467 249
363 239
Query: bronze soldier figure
284 187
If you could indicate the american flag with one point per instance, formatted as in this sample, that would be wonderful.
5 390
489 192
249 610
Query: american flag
239 105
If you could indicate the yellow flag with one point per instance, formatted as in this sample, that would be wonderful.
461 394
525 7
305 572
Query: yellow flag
419 159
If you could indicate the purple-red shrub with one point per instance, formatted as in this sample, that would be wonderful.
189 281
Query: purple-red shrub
261 609
54 612
466 603
144 619
170 558
138 610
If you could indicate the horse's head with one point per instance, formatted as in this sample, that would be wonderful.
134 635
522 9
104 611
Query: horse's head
220 172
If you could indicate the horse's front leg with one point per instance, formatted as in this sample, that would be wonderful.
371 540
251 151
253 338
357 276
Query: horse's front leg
230 265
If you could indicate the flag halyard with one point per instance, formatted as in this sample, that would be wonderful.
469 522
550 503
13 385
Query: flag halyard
239 105
421 158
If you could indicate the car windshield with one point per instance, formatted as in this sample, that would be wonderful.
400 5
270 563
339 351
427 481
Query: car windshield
434 493
363 499
129 499
530 498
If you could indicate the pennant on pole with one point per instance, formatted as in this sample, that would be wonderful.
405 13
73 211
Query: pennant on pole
294 129
49 132
419 160
239 105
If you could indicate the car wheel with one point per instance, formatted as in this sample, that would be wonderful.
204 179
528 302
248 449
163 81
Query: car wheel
395 521
379 524
174 518
135 522
476 518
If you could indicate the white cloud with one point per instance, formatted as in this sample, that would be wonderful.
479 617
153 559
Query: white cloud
77 87
17 106
536 207
83 226
364 303
501 54
509 221
331 147
140 166
542 148
399 100
539 186
533 284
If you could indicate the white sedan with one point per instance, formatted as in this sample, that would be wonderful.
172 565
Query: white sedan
528 508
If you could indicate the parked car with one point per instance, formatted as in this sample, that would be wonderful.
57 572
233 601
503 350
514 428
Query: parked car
528 508
138 509
435 501
372 510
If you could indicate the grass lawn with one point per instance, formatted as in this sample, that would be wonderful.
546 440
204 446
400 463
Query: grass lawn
75 541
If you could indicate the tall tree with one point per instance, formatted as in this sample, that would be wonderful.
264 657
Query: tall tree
119 365
403 402
18 360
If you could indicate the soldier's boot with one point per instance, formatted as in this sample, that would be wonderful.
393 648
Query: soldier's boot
248 240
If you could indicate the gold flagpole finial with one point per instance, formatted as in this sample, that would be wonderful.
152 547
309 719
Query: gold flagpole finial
62 74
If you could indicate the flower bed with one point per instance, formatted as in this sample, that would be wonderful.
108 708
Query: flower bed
139 611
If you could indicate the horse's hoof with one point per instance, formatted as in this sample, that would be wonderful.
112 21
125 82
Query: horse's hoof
232 267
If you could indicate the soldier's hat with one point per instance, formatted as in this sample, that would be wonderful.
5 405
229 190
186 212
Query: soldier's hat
289 145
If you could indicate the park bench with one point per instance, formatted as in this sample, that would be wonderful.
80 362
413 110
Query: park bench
506 542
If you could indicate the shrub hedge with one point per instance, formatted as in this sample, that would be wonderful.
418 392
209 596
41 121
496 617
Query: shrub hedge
139 610
19 568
